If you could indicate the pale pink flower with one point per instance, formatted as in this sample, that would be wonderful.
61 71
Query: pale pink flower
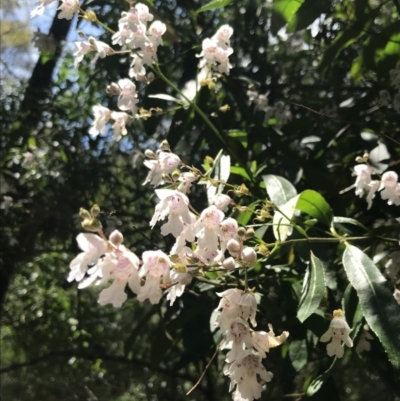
156 30
186 180
208 227
239 337
156 267
101 117
229 306
229 229
102 49
338 331
120 119
40 8
222 202
263 341
93 247
166 163
389 188
127 99
223 35
243 374
363 173
68 9
187 234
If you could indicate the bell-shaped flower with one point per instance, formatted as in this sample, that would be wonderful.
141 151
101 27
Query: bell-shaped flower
179 281
122 266
243 374
338 331
208 227
143 13
156 267
373 187
156 30
239 337
68 9
119 127
229 229
186 180
229 306
209 256
166 163
102 49
93 247
173 204
127 99
390 188
187 234
39 10
101 117
222 202
248 305
223 35
363 173
263 341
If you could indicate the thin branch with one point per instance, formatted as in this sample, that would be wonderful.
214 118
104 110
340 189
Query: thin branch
204 372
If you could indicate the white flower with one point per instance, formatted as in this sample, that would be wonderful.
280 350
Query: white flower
391 189
363 173
68 9
338 331
93 247
238 335
243 373
176 290
187 234
102 49
248 304
186 180
120 119
122 267
143 13
173 204
373 187
223 35
222 202
208 227
166 163
156 30
396 295
156 266
101 117
40 8
229 229
230 305
127 99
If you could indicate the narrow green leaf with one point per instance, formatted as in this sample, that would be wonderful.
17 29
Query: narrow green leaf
240 171
279 189
314 204
287 8
378 305
313 288
214 4
348 220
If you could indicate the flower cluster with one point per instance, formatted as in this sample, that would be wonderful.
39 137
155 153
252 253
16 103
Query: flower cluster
203 240
388 185
338 331
237 310
216 51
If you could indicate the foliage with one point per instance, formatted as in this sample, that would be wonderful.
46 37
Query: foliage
324 66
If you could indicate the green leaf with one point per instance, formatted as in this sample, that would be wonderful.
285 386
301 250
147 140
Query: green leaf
378 305
348 220
319 381
313 288
282 226
314 204
214 4
240 171
298 353
393 45
287 8
279 189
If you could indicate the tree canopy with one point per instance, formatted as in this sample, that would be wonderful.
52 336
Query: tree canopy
309 116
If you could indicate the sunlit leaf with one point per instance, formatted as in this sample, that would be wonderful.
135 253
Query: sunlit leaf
214 4
279 189
378 305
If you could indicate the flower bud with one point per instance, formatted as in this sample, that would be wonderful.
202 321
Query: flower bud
233 245
84 214
180 268
176 174
365 156
150 154
249 255
116 238
82 35
93 225
113 89
165 145
241 232
90 16
359 159
95 210
150 77
250 233
229 263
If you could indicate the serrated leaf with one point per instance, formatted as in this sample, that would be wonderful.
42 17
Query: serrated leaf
313 288
212 5
314 204
282 226
380 309
279 189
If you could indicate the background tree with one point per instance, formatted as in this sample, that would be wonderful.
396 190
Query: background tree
309 92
